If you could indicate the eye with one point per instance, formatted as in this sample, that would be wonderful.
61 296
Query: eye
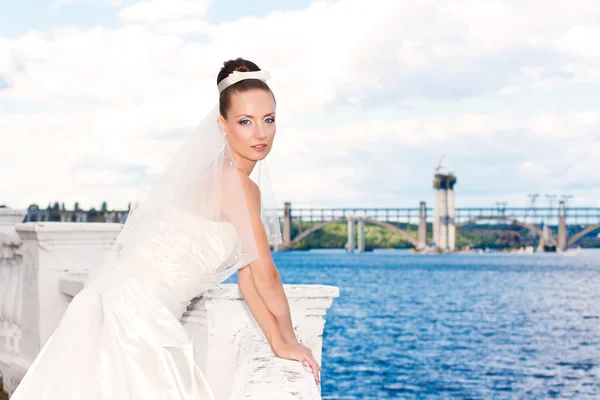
269 120
244 121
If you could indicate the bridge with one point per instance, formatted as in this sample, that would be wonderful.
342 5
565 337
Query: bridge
557 226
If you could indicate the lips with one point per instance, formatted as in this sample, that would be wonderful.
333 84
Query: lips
259 147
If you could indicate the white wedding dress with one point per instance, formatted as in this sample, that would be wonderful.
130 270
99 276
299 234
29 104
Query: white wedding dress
121 337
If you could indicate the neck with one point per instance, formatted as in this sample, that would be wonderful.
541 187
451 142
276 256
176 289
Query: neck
243 164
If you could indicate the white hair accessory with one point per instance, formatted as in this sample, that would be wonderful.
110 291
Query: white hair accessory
237 76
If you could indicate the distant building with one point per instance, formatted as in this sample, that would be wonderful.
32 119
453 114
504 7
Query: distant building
36 214
115 216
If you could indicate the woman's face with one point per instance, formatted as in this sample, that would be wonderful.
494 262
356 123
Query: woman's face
250 124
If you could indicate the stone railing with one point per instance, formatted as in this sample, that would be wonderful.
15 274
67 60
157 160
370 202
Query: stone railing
47 264
10 217
11 289
10 286
43 253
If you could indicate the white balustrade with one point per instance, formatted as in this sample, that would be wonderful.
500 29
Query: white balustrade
10 293
44 265
32 304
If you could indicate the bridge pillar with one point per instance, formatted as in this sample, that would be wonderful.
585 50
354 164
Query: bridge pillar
436 216
562 226
545 238
444 229
361 235
422 232
451 226
443 234
287 225
351 245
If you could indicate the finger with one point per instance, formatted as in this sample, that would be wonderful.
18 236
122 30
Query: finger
313 360
311 364
319 369
314 366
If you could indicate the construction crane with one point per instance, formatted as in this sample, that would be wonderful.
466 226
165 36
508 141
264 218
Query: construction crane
439 166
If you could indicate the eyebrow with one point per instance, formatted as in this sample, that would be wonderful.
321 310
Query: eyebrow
252 116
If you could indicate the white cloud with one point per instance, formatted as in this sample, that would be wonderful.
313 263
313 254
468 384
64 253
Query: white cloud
83 177
530 167
153 11
61 3
108 91
394 160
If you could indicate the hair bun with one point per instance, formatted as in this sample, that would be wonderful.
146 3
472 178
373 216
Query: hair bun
241 65
238 64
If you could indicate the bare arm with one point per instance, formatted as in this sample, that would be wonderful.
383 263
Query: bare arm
264 273
281 347
264 317
260 282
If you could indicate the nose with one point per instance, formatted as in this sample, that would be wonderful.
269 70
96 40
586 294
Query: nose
259 132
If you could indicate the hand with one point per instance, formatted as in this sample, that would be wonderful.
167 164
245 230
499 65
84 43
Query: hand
298 352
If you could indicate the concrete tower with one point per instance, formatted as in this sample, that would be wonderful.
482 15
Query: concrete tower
444 229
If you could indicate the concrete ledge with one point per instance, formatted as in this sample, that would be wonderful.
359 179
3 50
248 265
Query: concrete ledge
231 349
224 291
259 371
68 235
10 217
72 283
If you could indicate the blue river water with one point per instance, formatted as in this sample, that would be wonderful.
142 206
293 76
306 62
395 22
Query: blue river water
461 326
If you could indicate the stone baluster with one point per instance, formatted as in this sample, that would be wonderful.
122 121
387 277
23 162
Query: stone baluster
33 304
11 283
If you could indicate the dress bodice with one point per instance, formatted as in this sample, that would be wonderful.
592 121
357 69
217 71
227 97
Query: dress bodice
179 258
121 336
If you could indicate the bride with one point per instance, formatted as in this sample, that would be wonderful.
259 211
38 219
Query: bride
209 214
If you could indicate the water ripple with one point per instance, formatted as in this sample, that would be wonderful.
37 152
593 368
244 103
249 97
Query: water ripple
460 326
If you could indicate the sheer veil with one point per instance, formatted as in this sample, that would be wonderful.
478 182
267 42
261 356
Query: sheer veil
189 202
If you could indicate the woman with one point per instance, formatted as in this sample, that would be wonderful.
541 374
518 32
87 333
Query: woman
202 220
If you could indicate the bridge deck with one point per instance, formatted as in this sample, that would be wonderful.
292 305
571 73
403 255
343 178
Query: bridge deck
540 215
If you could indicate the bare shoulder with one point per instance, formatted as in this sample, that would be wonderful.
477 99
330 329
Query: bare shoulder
251 186
230 183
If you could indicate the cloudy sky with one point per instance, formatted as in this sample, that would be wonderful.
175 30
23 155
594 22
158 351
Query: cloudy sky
96 95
